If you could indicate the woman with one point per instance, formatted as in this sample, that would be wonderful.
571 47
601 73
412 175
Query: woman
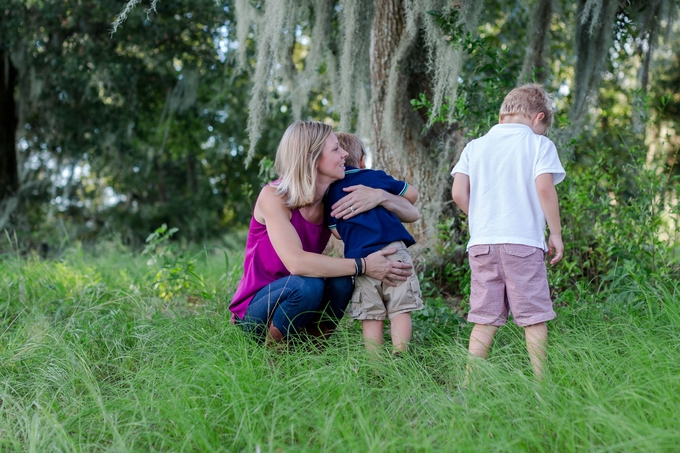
286 280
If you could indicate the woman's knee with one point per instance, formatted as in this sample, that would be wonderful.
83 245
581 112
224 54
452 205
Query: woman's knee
307 291
340 285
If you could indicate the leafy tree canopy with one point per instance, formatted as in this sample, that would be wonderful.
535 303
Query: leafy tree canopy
119 134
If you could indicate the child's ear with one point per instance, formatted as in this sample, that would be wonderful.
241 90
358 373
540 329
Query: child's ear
362 161
538 118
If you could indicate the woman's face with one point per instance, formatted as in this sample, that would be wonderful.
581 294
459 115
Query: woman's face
331 163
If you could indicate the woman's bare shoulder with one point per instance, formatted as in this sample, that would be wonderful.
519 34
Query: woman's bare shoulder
269 196
269 203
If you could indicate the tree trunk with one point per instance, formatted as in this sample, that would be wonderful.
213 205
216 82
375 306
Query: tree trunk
402 147
387 31
652 27
594 37
535 67
160 181
9 172
192 183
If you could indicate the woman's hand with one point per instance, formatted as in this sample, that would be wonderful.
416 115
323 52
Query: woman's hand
389 272
360 199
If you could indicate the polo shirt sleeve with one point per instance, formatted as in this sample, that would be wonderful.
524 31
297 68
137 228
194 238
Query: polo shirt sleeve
382 180
463 165
548 161
329 201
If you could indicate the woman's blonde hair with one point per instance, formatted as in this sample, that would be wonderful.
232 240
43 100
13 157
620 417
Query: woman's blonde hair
528 100
299 149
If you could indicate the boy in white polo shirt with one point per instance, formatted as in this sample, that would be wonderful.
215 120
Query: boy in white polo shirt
505 182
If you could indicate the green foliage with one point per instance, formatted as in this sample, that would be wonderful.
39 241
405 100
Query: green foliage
174 268
160 236
484 83
608 228
436 321
176 271
449 282
615 208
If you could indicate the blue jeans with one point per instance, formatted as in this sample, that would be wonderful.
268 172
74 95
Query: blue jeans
291 302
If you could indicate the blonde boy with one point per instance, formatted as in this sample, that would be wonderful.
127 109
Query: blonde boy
376 229
505 182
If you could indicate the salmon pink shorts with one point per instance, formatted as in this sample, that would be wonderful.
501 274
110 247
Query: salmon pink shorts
509 278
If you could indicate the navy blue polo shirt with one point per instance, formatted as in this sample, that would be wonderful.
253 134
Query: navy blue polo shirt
372 230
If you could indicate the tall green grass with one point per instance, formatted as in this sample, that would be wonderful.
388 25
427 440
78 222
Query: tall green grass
93 358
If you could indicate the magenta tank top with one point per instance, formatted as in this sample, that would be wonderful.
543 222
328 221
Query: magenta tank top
263 266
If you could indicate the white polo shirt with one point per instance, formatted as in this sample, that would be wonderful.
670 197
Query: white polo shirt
503 166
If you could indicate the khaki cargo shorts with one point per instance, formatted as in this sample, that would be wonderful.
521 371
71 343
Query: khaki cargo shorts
509 278
372 299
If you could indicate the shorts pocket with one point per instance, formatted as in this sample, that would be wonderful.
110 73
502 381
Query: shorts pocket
479 250
355 308
414 286
520 251
416 295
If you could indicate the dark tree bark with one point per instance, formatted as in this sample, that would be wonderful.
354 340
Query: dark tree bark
9 172
593 40
535 67
387 31
192 183
160 175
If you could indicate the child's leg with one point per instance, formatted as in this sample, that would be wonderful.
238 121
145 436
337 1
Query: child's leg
481 339
401 300
401 329
537 340
373 333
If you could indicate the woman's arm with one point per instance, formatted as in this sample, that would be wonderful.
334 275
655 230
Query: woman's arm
361 199
271 211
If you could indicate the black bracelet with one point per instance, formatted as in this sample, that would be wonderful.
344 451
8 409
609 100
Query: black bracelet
363 260
359 267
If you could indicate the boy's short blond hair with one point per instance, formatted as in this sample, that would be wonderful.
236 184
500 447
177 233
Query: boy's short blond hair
528 100
353 145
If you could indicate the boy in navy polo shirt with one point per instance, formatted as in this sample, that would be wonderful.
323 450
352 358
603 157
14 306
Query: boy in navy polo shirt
373 230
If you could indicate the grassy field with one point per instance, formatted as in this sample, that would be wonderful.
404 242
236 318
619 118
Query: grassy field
109 351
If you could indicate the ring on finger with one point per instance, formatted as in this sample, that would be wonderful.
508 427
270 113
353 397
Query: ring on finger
351 209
